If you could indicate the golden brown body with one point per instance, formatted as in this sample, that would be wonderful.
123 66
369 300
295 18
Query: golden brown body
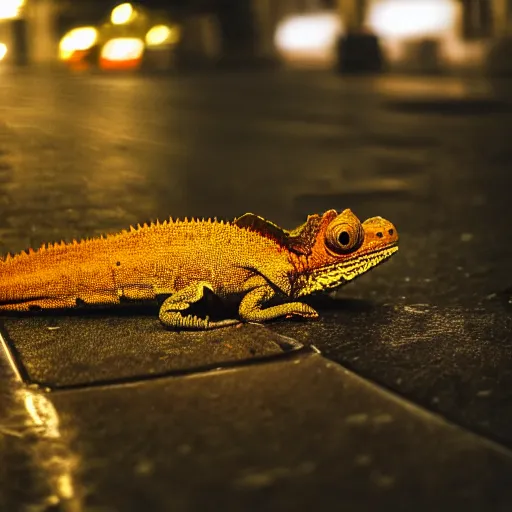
177 259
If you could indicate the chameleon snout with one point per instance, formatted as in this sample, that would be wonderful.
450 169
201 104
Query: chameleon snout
380 231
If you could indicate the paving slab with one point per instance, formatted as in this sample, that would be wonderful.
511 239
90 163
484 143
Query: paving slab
295 434
456 361
91 349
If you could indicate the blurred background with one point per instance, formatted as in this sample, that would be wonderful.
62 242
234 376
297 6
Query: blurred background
421 35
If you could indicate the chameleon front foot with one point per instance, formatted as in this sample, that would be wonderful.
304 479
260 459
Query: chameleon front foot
289 310
175 320
252 310
172 311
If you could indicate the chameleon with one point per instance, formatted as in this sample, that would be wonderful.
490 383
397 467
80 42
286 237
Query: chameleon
266 269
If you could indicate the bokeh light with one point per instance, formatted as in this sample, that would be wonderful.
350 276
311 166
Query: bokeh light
123 49
81 38
407 19
162 34
122 14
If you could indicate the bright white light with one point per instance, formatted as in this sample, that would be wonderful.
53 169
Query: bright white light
308 33
81 38
10 8
161 34
122 14
3 51
123 48
412 18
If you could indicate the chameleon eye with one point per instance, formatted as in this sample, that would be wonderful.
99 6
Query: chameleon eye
343 236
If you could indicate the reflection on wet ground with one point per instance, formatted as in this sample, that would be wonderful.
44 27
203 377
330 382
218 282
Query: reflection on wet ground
39 469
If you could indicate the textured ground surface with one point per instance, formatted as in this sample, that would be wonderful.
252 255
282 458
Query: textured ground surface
409 405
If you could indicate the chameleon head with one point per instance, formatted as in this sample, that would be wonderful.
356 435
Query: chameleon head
345 248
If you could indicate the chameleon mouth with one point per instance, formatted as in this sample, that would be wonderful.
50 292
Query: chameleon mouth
377 254
337 274
358 266
340 273
365 262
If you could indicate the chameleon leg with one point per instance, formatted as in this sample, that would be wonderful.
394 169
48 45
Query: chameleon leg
251 306
171 309
39 304
63 302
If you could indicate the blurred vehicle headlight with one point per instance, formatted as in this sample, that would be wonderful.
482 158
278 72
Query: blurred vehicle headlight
3 51
163 34
308 33
78 39
10 9
122 14
122 49
421 18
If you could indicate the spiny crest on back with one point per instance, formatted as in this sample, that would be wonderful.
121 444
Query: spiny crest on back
49 247
154 224
60 246
185 220
77 244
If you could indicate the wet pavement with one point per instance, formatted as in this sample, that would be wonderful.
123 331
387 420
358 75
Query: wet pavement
409 403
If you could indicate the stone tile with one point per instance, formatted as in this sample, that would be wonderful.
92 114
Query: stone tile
85 349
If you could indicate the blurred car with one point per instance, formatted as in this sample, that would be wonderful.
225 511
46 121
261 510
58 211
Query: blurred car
133 37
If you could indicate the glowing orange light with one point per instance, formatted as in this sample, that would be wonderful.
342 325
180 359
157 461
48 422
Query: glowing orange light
78 39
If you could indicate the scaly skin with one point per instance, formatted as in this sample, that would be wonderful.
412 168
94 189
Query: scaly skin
249 257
